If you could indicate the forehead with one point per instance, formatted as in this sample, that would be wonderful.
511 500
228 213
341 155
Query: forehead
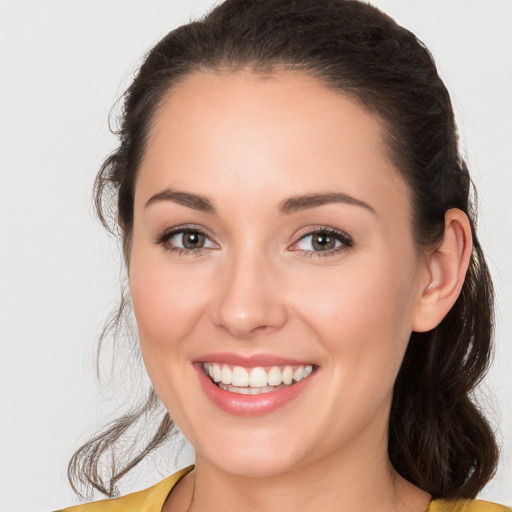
227 132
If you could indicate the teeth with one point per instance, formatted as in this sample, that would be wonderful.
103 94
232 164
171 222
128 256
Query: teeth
255 380
288 375
258 378
239 377
225 375
216 373
298 374
249 391
274 376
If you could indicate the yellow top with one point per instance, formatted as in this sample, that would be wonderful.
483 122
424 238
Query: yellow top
153 499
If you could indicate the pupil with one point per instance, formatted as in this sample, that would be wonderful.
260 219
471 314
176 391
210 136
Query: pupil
193 240
323 242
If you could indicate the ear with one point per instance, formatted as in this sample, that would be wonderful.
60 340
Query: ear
445 271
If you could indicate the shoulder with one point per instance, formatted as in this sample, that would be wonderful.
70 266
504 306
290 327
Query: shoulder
146 500
466 506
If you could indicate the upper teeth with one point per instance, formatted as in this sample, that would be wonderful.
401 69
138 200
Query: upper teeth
256 377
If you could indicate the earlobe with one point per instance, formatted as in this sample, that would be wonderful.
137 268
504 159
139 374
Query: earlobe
446 268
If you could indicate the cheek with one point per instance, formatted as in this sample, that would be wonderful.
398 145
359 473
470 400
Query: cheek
168 301
168 304
362 313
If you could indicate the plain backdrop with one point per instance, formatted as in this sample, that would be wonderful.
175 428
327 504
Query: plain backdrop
63 65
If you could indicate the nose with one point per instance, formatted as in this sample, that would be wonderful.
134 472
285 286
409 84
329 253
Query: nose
249 301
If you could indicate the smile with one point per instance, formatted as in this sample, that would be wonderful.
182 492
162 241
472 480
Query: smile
254 381
259 387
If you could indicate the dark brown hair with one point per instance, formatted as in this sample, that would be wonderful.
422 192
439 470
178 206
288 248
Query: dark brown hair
438 438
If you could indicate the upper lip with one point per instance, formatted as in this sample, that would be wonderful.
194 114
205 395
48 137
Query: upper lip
250 361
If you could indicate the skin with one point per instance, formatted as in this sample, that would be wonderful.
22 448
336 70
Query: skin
248 143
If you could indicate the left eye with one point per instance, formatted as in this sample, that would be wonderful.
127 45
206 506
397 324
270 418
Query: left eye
322 241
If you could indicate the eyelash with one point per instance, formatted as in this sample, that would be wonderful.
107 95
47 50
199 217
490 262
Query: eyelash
164 237
345 239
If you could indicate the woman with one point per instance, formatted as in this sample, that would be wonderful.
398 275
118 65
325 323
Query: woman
312 302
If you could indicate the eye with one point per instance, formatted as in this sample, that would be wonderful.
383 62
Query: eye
189 240
185 240
325 240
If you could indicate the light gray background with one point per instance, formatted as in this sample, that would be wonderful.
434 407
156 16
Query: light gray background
62 66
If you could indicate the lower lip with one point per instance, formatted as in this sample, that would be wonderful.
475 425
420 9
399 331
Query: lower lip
250 405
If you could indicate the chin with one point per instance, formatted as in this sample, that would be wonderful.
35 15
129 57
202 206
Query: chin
257 467
254 459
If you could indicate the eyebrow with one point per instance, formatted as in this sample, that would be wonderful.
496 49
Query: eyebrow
194 201
299 203
290 205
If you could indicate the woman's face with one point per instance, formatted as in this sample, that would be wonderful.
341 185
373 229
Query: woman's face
271 230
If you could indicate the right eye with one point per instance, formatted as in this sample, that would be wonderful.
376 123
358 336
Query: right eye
185 240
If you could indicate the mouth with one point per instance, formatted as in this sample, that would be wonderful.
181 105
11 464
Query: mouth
253 385
256 380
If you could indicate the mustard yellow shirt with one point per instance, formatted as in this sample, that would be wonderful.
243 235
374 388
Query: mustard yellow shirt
153 499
